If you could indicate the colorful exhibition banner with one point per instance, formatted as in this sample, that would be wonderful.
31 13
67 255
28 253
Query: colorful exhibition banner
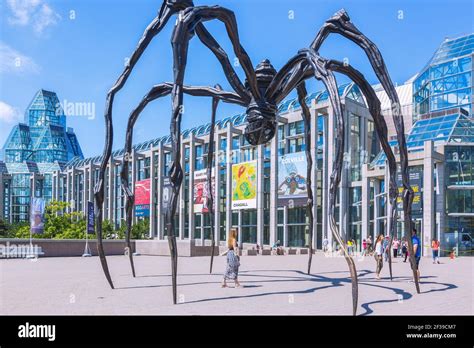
142 198
292 180
37 215
415 175
201 191
244 185
90 218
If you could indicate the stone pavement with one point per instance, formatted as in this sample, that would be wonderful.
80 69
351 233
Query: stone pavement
270 285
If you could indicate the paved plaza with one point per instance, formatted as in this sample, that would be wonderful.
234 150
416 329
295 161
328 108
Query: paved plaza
270 285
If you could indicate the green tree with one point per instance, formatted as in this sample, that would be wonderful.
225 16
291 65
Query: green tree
140 230
60 224
5 229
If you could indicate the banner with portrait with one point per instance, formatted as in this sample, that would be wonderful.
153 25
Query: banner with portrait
292 180
37 215
201 191
244 185
142 198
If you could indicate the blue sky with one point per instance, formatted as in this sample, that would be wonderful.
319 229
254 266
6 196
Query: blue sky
77 48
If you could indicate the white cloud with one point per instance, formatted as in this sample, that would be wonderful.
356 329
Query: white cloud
36 13
9 114
12 61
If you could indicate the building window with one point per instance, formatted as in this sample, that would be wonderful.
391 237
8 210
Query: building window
298 233
459 165
355 148
355 215
459 235
248 228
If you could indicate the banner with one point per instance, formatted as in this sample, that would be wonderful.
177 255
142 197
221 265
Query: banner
415 175
142 198
37 216
201 191
90 218
244 185
292 180
166 196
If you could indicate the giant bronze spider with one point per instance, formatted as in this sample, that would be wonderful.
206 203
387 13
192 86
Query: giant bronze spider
263 89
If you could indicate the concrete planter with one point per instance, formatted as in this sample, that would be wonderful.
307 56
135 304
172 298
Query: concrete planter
68 247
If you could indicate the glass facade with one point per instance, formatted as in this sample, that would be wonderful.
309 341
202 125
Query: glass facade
43 137
446 81
32 151
459 181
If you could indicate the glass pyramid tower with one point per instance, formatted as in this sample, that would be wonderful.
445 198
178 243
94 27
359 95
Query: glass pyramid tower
43 137
446 81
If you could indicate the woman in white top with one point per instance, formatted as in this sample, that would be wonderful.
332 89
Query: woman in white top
378 255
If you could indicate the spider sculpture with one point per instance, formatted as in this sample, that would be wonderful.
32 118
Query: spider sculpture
263 89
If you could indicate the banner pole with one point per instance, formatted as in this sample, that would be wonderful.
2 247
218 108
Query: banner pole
87 250
29 254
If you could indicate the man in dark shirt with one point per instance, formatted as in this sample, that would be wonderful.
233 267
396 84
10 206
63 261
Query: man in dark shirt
416 250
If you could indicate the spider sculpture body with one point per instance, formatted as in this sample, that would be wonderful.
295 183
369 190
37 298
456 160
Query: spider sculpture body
263 89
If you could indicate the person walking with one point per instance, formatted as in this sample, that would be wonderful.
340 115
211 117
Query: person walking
349 247
378 255
369 245
395 246
233 259
354 246
435 250
364 247
416 251
404 249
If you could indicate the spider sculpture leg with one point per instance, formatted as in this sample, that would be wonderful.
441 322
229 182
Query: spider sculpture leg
167 10
327 77
340 23
182 33
207 39
191 21
156 92
210 160
295 71
380 128
302 94
321 73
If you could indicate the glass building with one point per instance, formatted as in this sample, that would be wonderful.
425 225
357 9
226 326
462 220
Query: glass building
440 146
437 109
447 80
270 218
32 152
